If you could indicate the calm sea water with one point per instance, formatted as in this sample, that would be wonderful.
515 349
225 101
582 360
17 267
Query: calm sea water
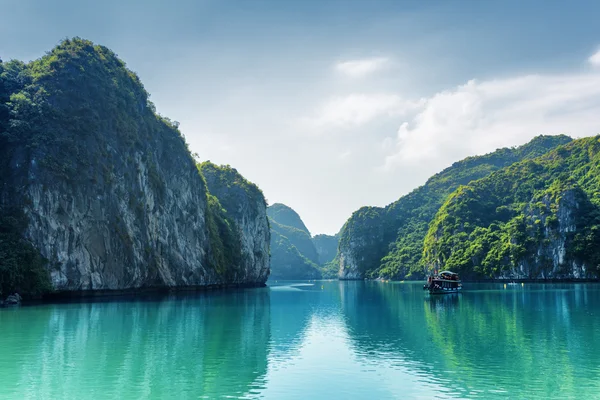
325 340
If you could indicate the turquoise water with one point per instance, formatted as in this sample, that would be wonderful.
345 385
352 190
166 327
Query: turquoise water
325 340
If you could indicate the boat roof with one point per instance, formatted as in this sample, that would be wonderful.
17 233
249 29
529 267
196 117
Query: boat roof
448 272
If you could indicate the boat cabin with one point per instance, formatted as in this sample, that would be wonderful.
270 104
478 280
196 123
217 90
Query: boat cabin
443 282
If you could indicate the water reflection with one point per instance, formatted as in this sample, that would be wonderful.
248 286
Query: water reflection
316 340
204 345
535 341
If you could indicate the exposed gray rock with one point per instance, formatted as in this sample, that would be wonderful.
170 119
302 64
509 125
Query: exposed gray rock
550 258
246 205
13 300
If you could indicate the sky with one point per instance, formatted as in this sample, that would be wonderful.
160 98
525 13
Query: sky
331 105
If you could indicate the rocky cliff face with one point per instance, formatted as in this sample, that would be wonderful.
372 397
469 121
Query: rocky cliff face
554 225
326 246
122 232
348 268
247 208
361 242
110 194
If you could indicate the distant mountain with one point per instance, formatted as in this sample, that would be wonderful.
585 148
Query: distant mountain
294 254
326 246
284 215
288 223
388 242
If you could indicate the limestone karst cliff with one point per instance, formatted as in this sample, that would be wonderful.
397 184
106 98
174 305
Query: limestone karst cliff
246 220
102 188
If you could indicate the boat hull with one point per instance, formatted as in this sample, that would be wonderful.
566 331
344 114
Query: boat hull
445 290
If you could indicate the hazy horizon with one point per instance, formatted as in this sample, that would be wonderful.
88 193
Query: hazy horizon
332 105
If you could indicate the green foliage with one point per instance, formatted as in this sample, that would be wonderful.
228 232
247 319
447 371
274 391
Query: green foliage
58 108
284 215
331 269
230 187
225 246
287 262
300 239
293 253
511 217
388 242
231 199
22 268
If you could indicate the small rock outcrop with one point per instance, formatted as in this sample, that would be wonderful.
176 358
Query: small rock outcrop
13 300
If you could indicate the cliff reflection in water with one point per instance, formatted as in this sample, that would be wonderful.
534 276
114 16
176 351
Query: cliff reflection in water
535 341
320 340
187 346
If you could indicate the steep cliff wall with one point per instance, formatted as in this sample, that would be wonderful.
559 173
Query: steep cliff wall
246 210
537 219
109 192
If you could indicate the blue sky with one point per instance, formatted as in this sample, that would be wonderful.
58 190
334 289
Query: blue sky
330 105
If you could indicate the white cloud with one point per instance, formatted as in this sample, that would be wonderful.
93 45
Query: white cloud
595 59
360 108
344 155
479 117
360 68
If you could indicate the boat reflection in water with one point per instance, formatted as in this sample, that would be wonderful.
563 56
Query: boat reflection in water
442 283
443 303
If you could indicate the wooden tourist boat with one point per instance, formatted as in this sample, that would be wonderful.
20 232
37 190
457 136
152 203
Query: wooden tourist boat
444 282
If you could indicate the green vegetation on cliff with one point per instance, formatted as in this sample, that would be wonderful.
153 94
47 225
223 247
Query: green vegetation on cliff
22 267
285 216
538 218
388 242
78 132
287 262
234 202
225 248
230 187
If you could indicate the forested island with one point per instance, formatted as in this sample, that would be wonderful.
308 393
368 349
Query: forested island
99 192
530 212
